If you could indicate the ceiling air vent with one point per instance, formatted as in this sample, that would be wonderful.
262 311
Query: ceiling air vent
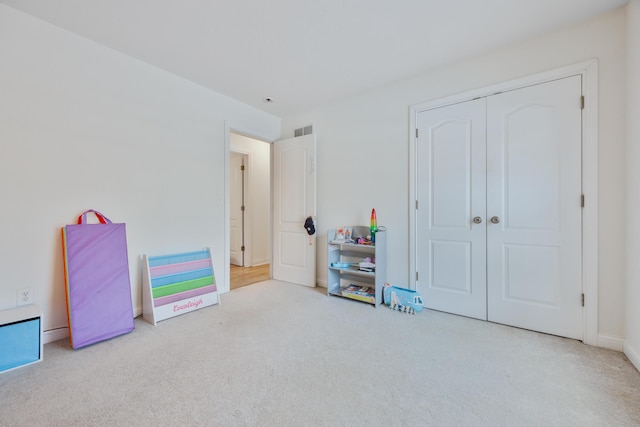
307 130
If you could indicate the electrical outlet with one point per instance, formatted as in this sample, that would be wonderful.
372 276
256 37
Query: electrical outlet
25 296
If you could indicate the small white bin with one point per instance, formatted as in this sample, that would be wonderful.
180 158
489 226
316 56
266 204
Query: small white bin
20 337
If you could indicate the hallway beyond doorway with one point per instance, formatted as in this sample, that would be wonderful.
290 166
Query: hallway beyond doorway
243 276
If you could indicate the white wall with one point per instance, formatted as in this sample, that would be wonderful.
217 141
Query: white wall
363 149
258 199
82 126
632 297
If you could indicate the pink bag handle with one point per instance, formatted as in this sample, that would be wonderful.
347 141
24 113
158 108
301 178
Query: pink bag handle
82 219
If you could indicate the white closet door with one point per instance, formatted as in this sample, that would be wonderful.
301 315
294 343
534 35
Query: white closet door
534 191
451 192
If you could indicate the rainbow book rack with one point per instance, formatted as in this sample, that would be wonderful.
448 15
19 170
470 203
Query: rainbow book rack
177 284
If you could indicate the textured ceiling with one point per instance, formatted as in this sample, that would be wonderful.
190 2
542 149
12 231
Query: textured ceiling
306 53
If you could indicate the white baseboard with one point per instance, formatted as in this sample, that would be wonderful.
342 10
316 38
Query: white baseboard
321 283
610 342
55 335
632 355
62 333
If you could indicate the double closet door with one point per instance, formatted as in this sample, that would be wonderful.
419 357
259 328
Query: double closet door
500 220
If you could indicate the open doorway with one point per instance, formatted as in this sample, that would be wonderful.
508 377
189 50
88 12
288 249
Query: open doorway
250 210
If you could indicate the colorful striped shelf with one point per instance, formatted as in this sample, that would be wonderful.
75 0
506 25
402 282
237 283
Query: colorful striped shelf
177 284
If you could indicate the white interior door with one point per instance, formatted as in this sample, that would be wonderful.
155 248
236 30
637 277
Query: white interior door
534 190
451 185
294 199
236 214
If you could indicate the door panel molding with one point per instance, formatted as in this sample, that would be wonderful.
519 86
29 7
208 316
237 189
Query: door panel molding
589 72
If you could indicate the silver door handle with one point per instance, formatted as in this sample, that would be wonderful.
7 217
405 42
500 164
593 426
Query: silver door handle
495 219
477 220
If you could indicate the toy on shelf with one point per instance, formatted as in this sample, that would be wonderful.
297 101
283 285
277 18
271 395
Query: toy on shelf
368 264
364 241
402 299
373 226
360 293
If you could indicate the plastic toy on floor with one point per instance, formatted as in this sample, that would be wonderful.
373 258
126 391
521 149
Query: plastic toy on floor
402 299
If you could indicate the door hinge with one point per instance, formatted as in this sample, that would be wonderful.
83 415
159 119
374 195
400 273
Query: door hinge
416 132
242 208
583 300
582 201
416 276
416 205
582 102
242 248
241 167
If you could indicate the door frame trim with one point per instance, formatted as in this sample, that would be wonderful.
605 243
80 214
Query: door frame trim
228 128
589 72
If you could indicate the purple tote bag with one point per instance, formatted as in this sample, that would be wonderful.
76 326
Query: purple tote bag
97 280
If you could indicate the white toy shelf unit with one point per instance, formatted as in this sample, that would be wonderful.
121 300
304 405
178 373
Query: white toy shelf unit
348 276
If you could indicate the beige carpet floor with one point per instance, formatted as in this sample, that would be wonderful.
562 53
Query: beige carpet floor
277 354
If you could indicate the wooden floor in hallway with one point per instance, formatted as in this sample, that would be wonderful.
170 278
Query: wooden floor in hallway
243 276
